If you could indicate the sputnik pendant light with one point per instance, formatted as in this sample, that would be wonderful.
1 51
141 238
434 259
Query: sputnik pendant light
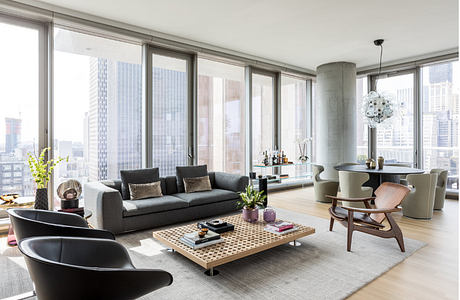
377 107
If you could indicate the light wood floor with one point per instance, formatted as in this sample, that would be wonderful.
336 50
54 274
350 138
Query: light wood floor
430 273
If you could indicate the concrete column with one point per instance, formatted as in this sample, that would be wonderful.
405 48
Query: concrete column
335 116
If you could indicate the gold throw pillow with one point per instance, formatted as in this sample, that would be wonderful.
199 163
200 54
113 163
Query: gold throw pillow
197 184
145 190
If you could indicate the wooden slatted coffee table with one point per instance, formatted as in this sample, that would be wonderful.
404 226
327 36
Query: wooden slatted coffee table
245 240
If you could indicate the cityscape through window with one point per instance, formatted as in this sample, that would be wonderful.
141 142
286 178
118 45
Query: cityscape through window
97 106
19 68
440 107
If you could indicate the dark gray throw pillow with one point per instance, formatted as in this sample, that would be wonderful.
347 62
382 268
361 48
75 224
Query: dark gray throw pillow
197 184
137 177
189 172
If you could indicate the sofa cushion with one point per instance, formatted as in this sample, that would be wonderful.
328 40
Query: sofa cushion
189 172
144 190
171 185
137 177
200 198
152 205
197 184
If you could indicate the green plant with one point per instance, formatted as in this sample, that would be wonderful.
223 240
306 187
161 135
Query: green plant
251 198
41 170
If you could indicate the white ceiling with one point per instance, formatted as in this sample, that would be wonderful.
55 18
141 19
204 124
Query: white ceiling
304 33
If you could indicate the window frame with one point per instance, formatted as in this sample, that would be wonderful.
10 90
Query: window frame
147 66
416 106
45 82
418 109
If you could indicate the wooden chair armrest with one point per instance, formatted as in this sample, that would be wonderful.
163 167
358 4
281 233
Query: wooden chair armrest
350 199
371 210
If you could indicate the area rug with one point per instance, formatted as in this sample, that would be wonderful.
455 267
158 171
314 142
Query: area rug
320 268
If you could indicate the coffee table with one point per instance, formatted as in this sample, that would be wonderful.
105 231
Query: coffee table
246 239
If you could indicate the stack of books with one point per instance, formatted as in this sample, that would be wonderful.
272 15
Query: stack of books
194 241
280 227
217 226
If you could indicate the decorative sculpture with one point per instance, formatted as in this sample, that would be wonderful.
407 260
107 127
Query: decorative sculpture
69 191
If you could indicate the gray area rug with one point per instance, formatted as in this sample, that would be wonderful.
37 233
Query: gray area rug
319 269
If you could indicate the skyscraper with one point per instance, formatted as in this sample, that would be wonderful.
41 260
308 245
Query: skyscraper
12 134
114 120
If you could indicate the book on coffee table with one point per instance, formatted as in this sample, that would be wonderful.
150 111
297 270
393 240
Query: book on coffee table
280 232
202 245
279 226
195 239
221 229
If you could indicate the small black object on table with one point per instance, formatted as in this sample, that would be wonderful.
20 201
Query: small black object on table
263 186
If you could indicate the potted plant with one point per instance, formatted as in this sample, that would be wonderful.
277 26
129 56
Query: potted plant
250 200
41 171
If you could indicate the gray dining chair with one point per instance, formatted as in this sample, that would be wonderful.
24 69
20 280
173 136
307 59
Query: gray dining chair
351 186
419 202
402 178
441 186
323 187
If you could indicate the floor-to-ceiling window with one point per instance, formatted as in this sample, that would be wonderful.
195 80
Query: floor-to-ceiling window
170 90
294 119
440 109
262 115
395 137
361 125
221 116
19 102
97 106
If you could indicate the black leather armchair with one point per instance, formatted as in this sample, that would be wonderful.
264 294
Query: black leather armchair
34 222
80 268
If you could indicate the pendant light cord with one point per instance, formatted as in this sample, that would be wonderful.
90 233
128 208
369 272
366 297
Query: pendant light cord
380 63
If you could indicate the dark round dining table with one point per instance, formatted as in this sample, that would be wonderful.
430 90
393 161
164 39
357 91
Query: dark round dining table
378 176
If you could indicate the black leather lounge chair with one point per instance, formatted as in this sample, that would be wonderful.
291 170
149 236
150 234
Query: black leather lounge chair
81 268
34 222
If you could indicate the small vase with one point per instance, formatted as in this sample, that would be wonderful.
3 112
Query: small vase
269 215
41 199
368 163
303 159
250 214
373 164
380 161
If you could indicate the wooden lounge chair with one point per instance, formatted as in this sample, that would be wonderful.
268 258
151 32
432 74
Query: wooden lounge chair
369 220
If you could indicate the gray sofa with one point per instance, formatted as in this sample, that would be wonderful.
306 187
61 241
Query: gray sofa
111 212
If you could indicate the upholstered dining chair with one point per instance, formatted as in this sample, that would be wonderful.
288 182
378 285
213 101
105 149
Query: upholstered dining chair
323 187
441 186
351 186
420 201
348 164
81 268
402 178
35 222
369 220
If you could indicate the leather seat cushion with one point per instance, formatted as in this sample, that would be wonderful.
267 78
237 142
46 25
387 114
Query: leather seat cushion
358 217
152 205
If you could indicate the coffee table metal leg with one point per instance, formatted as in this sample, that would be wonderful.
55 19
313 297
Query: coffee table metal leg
211 272
295 243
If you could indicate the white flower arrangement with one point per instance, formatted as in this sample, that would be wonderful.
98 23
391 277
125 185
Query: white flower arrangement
303 148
